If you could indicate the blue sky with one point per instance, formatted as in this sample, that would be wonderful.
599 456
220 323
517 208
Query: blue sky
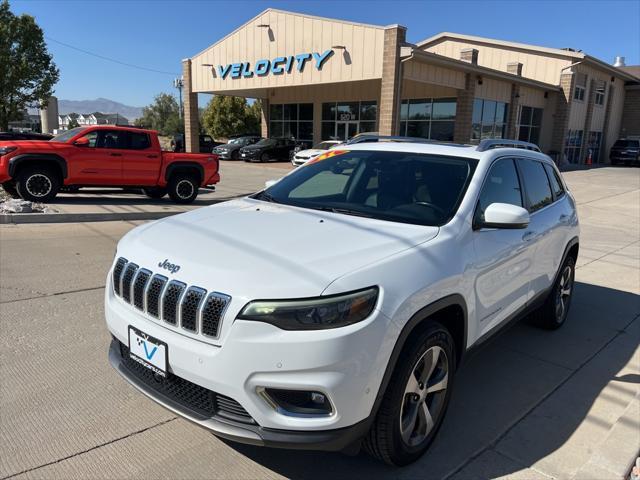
153 34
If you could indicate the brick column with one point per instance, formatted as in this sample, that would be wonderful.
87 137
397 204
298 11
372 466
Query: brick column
191 122
591 98
561 117
390 87
264 116
512 112
464 110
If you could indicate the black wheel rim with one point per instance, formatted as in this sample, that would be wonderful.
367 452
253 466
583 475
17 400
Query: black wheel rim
38 185
563 293
424 396
184 189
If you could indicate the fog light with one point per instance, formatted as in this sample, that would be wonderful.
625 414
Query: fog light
297 402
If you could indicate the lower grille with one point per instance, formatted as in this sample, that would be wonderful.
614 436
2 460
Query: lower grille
195 398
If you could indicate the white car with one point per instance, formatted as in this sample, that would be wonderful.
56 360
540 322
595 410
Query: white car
333 308
303 156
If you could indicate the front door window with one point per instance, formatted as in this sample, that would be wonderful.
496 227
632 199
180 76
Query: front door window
346 130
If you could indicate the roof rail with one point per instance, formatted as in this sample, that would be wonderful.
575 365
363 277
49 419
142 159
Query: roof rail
491 143
366 138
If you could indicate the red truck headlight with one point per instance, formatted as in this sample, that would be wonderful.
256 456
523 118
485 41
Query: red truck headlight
6 150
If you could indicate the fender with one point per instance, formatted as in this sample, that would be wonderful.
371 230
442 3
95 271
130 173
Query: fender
178 165
417 318
46 157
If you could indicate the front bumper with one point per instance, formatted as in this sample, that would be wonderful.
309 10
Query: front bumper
328 440
251 155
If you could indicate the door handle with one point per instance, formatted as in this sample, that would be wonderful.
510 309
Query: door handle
115 154
528 236
152 156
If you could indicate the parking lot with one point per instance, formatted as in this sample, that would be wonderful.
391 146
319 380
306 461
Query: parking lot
533 404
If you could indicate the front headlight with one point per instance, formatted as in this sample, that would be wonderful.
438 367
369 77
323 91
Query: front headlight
313 313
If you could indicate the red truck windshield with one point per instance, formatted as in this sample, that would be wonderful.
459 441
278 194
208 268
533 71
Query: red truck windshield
68 135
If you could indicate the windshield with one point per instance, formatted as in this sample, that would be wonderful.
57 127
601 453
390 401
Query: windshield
627 144
266 142
324 145
395 186
64 137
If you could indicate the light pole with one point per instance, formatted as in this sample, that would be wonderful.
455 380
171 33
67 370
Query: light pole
179 83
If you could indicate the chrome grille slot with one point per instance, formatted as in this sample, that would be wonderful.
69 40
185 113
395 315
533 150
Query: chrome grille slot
127 279
154 292
212 312
139 287
117 274
190 307
171 301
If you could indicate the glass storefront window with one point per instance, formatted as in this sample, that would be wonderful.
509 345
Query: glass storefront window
420 110
291 120
366 127
572 146
305 111
368 111
328 130
347 112
428 118
488 119
529 124
442 131
335 116
275 112
444 109
329 112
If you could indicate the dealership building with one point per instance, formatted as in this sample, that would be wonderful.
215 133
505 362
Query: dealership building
320 78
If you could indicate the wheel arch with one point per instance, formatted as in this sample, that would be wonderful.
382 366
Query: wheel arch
451 312
20 161
184 167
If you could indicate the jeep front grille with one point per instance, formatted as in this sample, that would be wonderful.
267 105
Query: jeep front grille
175 303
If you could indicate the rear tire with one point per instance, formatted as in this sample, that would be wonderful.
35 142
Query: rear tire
234 155
10 188
155 192
183 188
416 399
553 314
37 184
265 157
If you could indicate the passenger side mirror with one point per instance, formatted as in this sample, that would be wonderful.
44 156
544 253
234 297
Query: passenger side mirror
82 142
504 215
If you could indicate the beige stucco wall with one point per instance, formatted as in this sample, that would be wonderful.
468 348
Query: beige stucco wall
579 109
494 90
541 67
412 89
292 34
433 74
615 117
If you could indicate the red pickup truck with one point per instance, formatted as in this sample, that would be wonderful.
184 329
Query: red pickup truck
103 156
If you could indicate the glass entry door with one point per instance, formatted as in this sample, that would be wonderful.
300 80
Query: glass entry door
346 130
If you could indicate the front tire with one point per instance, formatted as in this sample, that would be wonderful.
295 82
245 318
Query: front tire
37 184
265 157
183 188
416 399
553 314
234 155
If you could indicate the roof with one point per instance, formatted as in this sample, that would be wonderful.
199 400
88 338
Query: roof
576 55
632 70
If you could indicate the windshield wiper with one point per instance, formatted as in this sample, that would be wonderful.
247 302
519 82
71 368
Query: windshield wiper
345 211
266 197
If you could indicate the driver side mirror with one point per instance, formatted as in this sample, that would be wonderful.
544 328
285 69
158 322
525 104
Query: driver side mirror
82 142
504 215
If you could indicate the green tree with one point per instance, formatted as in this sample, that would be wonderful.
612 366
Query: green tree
225 116
162 115
254 115
73 123
28 72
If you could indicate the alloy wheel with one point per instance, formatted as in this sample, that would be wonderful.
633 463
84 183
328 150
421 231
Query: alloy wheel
424 396
184 189
563 293
38 185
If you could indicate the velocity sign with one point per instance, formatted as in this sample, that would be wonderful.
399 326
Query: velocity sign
277 66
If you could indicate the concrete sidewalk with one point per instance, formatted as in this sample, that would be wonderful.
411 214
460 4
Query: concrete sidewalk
99 204
533 404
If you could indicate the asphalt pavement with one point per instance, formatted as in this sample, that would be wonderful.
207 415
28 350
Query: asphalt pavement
532 404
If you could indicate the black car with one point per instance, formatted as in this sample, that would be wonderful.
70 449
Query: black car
10 136
231 149
625 150
207 143
268 150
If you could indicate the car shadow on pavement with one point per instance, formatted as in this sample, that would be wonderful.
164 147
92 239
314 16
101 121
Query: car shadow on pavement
516 401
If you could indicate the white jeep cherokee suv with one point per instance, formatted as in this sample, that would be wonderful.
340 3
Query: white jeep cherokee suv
334 307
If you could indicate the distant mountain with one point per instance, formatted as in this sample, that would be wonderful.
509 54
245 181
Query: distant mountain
103 105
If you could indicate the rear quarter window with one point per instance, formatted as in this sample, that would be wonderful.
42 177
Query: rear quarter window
536 184
554 179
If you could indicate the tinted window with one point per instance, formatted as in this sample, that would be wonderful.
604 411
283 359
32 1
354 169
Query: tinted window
139 141
627 144
536 184
500 186
394 186
556 184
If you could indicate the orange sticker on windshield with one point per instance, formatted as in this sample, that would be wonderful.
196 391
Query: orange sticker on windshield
324 156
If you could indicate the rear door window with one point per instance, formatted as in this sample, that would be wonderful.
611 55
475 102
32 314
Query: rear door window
139 141
111 139
536 184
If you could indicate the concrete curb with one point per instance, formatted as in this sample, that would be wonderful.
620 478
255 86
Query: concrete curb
20 218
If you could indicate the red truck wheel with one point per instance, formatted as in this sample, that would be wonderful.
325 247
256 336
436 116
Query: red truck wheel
155 192
37 184
183 188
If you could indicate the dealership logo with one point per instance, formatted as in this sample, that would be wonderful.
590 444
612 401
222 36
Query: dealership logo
277 66
148 354
172 267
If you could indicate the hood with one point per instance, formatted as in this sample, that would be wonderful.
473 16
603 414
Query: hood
251 249
312 152
25 144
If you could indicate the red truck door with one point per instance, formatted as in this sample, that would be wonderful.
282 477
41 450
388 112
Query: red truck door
141 161
99 162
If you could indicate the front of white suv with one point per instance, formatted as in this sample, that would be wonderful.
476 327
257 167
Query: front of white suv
331 307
